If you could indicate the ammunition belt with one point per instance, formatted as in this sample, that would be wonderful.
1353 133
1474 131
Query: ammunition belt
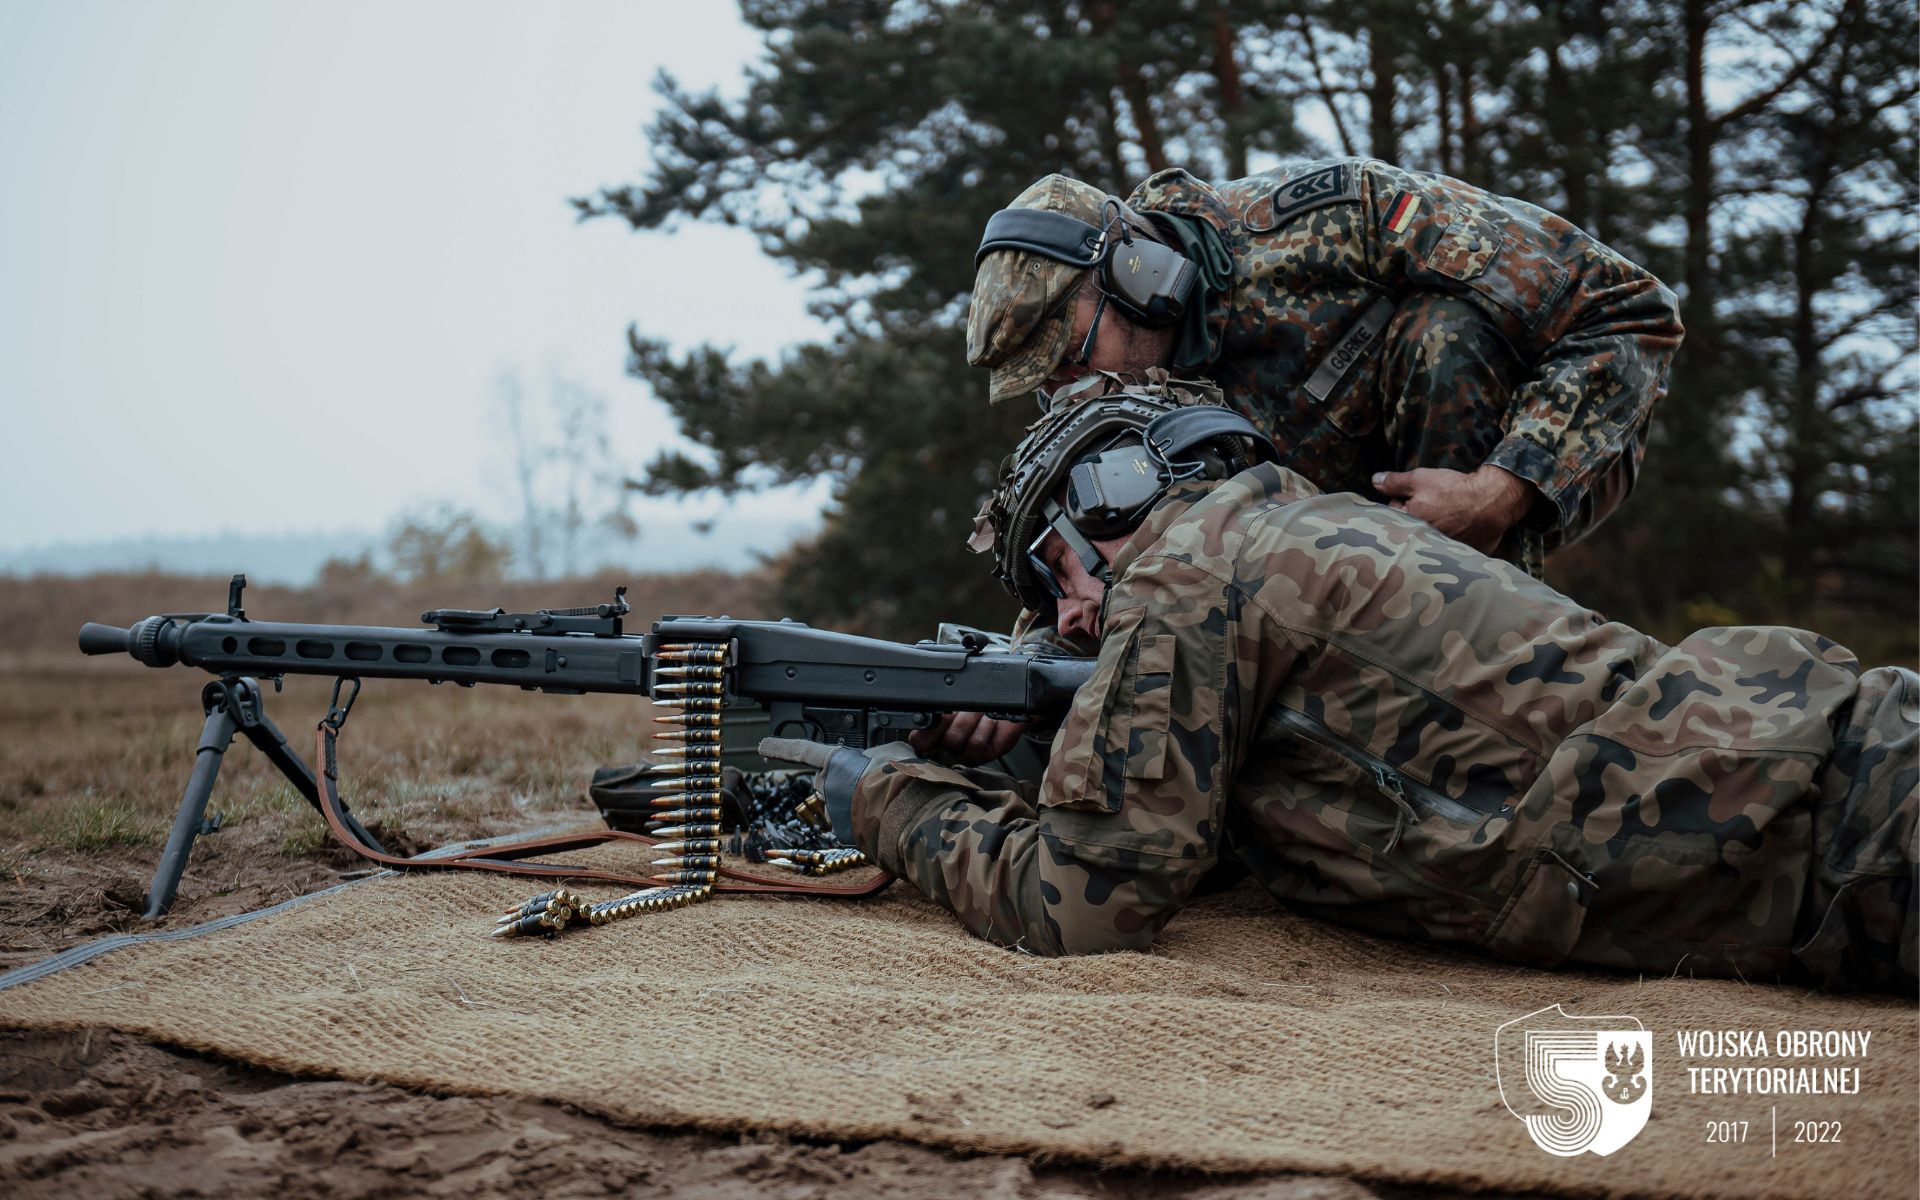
687 828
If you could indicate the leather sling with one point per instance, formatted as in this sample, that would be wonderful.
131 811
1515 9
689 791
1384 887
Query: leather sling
508 858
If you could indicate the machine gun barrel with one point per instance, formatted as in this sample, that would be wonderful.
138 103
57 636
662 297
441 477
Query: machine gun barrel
222 645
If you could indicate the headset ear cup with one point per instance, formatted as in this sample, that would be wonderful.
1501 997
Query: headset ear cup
1149 282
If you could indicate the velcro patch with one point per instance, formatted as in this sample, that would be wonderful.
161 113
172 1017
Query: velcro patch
1331 184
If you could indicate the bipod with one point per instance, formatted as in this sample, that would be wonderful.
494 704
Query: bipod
234 704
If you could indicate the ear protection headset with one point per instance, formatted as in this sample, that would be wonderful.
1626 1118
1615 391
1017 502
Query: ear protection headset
1111 491
1149 282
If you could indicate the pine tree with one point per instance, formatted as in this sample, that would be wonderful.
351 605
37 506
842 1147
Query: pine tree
1833 322
1754 153
871 147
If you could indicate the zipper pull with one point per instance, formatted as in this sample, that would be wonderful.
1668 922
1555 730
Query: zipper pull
1389 782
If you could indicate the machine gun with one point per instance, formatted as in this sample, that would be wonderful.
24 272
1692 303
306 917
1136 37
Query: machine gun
812 683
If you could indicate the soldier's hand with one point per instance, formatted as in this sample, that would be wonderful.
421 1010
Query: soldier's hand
1476 508
968 738
837 775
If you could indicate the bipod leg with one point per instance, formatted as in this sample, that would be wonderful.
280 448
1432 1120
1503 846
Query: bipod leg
215 736
264 734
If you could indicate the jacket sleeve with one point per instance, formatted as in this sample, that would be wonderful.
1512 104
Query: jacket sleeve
1599 330
1127 817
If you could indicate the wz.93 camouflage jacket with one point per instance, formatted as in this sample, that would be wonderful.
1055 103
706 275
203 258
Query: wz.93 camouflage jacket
1395 732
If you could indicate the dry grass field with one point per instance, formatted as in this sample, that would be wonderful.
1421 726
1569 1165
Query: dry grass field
94 752
93 756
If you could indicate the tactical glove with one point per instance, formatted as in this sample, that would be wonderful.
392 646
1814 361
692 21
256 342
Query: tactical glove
838 771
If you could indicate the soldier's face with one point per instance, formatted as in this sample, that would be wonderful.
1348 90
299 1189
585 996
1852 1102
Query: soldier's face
1079 609
1116 343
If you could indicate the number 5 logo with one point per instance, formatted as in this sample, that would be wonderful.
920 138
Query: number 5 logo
1577 1083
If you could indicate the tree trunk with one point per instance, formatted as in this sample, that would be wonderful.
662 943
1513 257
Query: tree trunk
1233 135
1804 452
1110 144
1443 112
1383 137
1696 310
1133 88
1567 128
1326 88
1470 165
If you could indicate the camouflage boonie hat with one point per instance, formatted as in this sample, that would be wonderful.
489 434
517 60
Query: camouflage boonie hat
1020 320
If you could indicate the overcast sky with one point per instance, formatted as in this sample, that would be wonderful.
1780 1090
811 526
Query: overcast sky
261 264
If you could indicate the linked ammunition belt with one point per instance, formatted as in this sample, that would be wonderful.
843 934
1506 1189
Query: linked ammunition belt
686 834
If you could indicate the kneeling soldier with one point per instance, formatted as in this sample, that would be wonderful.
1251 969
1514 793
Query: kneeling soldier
1393 731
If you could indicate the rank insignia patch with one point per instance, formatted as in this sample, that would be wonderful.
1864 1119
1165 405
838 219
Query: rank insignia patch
1329 185
1400 212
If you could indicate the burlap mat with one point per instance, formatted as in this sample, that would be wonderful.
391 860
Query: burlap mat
1254 1040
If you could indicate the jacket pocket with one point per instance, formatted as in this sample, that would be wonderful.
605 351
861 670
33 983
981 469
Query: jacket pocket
1149 695
1543 917
1087 770
1464 248
1127 739
1514 268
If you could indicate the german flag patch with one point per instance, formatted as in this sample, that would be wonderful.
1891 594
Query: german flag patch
1400 212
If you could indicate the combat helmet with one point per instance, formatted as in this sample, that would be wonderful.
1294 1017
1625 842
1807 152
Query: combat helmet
1105 451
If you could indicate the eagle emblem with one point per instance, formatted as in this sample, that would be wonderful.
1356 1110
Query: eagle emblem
1624 1083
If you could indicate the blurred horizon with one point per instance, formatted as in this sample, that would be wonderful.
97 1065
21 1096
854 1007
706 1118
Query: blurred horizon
706 535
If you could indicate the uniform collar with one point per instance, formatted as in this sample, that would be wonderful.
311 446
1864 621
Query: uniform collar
1154 381
1266 483
1179 194
1164 516
1175 191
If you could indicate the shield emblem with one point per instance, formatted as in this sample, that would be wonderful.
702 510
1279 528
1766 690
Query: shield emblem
1579 1084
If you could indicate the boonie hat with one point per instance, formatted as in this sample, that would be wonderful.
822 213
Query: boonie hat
1019 321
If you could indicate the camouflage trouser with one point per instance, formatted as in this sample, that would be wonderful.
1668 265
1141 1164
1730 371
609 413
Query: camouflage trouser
1860 924
1785 864
1446 385
1440 394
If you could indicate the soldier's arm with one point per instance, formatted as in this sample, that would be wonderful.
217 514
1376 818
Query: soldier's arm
974 738
1599 330
1127 818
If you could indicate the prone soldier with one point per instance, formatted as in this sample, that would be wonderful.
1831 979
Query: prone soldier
1391 730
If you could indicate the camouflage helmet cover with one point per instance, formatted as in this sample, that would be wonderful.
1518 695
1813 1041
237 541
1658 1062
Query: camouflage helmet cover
1085 418
1019 321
